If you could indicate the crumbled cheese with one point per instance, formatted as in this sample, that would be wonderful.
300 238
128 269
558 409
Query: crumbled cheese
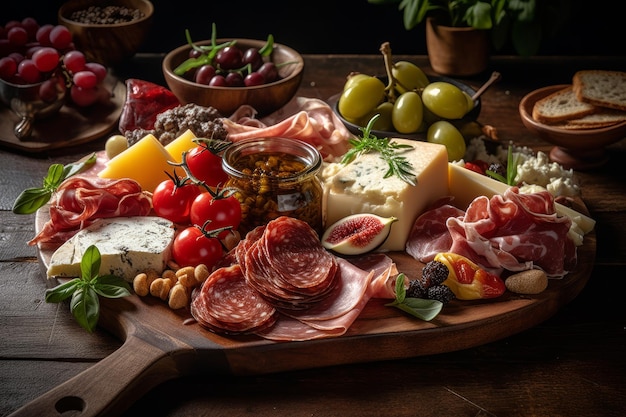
539 170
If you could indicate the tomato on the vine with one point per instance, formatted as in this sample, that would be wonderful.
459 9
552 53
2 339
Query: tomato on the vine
193 247
206 166
220 209
172 199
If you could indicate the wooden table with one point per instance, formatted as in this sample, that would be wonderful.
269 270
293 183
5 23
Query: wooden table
573 364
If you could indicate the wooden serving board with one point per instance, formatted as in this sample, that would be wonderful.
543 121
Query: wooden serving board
158 345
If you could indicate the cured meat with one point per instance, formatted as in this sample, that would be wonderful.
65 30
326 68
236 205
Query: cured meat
144 102
429 234
385 273
515 232
310 120
80 200
511 232
227 304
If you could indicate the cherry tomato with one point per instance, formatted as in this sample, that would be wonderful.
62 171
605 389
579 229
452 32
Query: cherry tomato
221 211
206 166
192 247
173 202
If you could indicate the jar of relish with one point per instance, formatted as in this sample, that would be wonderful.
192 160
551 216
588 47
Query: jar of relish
274 177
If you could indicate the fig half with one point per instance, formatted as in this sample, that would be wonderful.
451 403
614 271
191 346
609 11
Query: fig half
357 234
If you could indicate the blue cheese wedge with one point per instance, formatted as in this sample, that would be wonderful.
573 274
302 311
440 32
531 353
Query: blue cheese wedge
128 246
360 187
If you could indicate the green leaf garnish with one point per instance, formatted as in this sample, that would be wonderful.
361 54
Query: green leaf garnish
511 169
388 150
85 305
417 307
32 199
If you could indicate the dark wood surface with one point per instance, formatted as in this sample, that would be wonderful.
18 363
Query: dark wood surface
571 364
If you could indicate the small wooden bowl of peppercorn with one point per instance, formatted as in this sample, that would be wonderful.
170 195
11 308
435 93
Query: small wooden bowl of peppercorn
237 75
107 32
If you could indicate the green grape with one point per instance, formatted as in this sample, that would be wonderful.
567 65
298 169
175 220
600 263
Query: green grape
408 113
353 78
408 75
445 100
470 102
361 97
444 133
383 123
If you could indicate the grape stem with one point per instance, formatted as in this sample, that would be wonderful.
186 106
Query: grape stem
385 49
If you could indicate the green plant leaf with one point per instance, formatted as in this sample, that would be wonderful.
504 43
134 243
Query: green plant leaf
90 263
63 291
111 286
85 307
31 200
417 307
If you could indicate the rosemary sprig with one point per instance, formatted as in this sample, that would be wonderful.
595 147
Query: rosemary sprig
388 150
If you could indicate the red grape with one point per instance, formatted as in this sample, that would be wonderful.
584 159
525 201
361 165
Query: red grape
204 74
46 58
234 79
83 97
253 57
31 26
74 61
43 34
218 81
85 79
269 72
229 57
60 37
8 67
17 36
98 69
254 78
28 71
48 90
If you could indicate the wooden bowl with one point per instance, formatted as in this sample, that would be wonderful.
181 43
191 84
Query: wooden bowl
108 44
264 98
575 149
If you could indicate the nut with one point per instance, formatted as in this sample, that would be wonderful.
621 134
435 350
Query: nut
532 281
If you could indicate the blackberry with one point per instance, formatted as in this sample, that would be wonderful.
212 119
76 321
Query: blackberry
415 290
441 293
434 273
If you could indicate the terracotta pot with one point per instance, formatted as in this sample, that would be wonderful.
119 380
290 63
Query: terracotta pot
457 51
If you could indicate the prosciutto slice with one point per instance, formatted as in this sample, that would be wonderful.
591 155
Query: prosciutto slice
511 232
310 120
80 200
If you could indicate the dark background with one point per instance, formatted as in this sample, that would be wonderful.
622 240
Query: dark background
335 26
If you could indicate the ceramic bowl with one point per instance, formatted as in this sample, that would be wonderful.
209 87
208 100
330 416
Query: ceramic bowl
33 101
264 98
108 44
577 149
356 129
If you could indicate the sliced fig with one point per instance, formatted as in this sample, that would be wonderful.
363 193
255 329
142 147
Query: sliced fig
357 234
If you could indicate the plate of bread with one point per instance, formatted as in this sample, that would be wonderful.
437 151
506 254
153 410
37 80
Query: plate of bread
580 118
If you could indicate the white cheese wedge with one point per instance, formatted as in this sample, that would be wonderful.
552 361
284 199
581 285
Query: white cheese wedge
360 187
127 245
465 185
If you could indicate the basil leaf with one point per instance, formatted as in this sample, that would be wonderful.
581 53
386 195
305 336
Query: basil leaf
421 308
75 168
85 307
31 200
90 263
54 177
62 292
111 286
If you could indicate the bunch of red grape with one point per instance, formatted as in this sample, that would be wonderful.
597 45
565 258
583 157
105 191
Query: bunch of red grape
30 53
234 67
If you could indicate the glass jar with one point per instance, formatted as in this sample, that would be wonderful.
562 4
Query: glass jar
274 177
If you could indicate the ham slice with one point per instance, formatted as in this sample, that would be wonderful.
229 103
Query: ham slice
310 120
80 200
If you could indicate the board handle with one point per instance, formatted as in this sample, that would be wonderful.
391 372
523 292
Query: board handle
109 387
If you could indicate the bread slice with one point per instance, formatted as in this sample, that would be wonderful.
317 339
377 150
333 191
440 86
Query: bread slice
601 88
559 106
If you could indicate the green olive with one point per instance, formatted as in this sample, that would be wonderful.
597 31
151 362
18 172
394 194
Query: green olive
361 98
445 100
408 113
445 133
115 145
409 76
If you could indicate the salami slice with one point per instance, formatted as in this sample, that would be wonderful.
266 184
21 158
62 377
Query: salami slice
227 304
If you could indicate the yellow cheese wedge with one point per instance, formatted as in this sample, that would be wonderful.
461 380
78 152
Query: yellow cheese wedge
146 162
360 187
181 144
465 185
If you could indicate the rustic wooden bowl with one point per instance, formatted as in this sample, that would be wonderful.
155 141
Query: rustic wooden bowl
264 98
108 44
576 149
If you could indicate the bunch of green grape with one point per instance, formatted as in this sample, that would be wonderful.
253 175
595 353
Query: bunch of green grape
408 104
